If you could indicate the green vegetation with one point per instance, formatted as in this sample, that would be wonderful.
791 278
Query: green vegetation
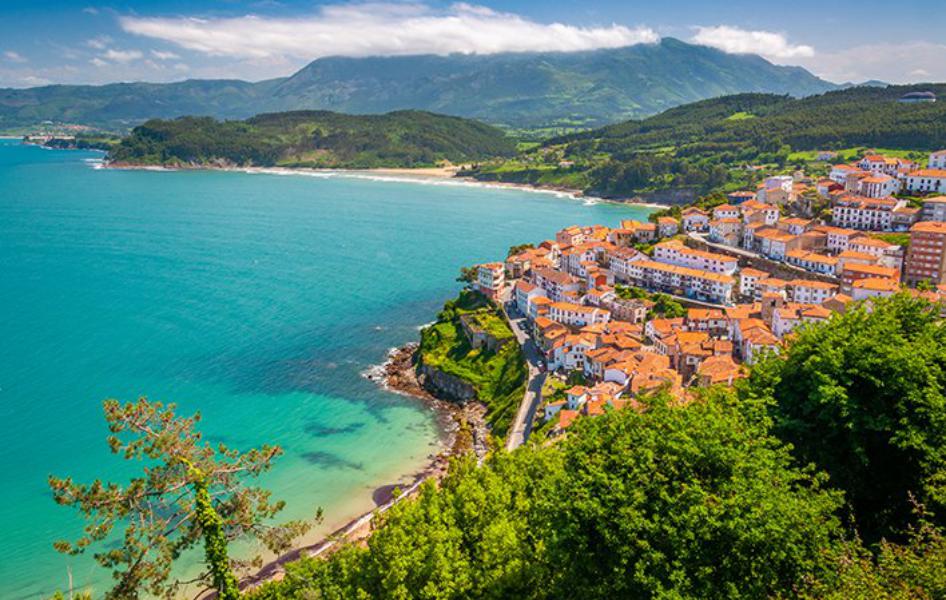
86 141
863 398
498 377
192 493
715 145
314 139
664 307
534 94
695 502
725 497
900 239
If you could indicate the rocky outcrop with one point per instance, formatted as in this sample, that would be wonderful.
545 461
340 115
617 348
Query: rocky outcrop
670 197
443 385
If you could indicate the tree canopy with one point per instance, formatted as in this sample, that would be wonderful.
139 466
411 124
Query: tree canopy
314 139
863 398
674 502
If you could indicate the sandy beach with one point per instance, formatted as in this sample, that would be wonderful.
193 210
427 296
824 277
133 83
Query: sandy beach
432 175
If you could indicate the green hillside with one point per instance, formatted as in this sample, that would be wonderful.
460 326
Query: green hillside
550 91
705 146
314 139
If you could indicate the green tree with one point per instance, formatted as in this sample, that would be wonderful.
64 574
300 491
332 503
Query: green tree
693 501
467 275
519 248
863 398
687 502
191 493
909 571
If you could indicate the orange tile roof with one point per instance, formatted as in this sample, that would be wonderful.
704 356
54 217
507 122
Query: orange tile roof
877 284
685 271
929 227
929 173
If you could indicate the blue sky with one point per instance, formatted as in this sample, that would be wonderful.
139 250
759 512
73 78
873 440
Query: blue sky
73 41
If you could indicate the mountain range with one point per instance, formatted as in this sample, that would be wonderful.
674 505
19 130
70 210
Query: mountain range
516 90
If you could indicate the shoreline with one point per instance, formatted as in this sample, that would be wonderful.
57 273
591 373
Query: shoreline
424 175
463 429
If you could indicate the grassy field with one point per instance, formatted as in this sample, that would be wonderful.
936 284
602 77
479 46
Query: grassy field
498 377
852 154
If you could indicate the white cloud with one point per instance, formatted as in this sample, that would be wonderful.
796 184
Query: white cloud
14 57
774 46
161 55
98 62
381 29
99 43
90 10
122 56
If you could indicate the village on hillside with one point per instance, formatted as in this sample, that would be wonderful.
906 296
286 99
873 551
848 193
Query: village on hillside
743 276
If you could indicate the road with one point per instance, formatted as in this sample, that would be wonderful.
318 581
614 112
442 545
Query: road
522 424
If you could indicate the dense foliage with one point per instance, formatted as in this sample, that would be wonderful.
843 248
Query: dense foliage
314 139
671 502
863 398
498 377
707 145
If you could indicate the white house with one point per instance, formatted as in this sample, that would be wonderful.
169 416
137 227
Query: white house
839 173
878 186
490 278
858 212
927 181
525 293
873 287
676 253
804 291
694 219
576 315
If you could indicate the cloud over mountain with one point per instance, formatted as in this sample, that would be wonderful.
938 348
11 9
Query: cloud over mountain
381 29
771 45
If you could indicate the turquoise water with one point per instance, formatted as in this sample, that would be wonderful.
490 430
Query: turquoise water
257 299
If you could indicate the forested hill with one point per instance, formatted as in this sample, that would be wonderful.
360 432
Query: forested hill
314 139
557 90
706 146
867 116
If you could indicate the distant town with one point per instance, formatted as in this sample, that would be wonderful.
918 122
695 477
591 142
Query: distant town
742 274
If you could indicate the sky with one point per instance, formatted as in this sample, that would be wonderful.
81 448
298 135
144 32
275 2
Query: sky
76 41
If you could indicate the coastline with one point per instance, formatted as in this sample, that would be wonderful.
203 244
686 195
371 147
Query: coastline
463 430
426 175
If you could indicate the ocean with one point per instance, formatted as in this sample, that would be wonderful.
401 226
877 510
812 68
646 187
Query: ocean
257 299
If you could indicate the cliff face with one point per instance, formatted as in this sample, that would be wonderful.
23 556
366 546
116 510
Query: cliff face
443 385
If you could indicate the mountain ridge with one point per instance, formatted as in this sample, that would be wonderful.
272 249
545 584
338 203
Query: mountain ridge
565 90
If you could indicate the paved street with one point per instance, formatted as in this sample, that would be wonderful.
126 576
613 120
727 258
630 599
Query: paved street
522 424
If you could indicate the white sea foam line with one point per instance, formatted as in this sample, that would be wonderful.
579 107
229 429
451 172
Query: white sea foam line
586 200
